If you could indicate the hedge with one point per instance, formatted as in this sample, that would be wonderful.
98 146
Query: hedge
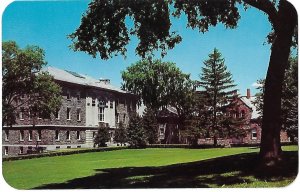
51 154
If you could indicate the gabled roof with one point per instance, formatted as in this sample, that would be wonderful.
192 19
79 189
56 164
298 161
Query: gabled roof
249 103
76 78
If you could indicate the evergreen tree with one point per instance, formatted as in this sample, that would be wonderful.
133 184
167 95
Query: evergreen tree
102 136
121 134
135 132
150 126
218 90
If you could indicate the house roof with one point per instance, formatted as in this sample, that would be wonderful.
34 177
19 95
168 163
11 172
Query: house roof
76 78
249 103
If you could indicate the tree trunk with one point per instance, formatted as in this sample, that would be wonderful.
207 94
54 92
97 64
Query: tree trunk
270 150
215 141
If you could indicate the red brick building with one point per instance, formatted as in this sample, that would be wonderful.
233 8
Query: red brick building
241 106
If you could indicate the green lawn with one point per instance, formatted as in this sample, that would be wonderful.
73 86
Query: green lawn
134 168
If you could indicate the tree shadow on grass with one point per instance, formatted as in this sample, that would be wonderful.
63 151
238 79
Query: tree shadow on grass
213 172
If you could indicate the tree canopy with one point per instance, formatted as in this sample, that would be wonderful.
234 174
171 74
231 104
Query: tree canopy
103 31
24 85
158 84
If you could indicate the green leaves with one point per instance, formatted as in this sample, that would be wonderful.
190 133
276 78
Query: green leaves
21 77
158 83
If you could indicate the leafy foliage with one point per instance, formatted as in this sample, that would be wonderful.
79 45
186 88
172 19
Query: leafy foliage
158 84
103 27
24 85
121 134
102 136
135 132
150 126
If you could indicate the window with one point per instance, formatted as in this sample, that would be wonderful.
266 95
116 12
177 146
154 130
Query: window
117 117
124 117
68 135
254 134
94 134
68 113
6 135
111 103
5 150
21 135
30 135
39 136
39 115
101 108
78 97
78 114
78 135
93 102
57 116
101 114
21 150
57 135
161 129
21 114
29 114
242 113
68 95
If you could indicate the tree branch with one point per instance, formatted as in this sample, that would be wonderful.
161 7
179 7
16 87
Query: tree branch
267 7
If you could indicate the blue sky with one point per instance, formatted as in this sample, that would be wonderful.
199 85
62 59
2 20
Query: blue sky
47 24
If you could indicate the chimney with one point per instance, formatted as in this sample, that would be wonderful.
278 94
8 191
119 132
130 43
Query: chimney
104 81
248 94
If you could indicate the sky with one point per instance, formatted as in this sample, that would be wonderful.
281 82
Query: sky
47 24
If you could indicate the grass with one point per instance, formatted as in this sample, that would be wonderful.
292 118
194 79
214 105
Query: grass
136 168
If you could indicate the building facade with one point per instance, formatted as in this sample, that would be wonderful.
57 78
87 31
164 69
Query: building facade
240 107
86 103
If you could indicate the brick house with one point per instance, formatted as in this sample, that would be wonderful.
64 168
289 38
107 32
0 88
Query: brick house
86 103
241 106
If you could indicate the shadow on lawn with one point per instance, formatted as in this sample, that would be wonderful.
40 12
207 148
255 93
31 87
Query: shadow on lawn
217 172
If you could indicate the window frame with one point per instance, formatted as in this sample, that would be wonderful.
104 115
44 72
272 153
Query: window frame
5 150
254 131
78 135
78 114
30 135
39 135
57 138
21 135
68 135
6 137
21 113
68 113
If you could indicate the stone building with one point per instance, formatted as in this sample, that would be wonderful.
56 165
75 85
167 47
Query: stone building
86 103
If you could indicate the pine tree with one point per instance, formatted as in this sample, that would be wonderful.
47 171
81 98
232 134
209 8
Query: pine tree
150 126
121 134
218 86
135 132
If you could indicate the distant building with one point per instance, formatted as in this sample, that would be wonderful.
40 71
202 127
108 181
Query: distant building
87 102
241 106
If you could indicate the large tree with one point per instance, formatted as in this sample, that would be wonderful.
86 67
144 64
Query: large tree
24 85
289 102
103 31
158 84
218 92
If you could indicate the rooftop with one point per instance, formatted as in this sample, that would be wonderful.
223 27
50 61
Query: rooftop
76 78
